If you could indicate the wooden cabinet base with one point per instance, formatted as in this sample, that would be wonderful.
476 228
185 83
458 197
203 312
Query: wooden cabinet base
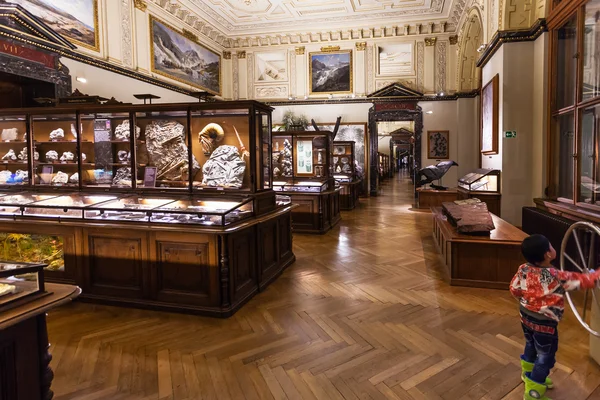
428 198
349 195
479 261
210 271
493 200
315 212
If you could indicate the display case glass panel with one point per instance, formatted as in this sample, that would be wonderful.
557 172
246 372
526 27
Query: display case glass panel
14 168
161 154
205 212
343 161
481 180
55 150
263 150
221 145
591 51
106 150
33 248
69 206
19 280
566 64
129 208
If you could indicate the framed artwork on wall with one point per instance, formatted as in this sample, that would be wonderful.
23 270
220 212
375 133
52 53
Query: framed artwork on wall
489 117
438 145
183 59
271 67
330 72
75 20
396 59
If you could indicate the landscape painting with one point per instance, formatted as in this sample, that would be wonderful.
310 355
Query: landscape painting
489 120
396 59
76 20
438 145
331 72
178 57
271 67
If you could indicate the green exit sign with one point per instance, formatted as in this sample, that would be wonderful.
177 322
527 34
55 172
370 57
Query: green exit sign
510 134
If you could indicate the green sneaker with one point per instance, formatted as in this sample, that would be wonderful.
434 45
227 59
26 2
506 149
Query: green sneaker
528 367
534 390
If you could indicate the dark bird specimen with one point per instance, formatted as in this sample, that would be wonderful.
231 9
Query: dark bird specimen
435 172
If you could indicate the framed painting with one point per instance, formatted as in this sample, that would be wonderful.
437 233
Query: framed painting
438 145
271 67
77 21
396 59
330 72
183 59
489 117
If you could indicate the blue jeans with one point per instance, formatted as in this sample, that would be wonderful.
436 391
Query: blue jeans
541 337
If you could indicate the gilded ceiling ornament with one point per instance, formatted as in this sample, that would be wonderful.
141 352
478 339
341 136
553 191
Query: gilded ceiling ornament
361 46
300 50
330 48
241 54
227 55
453 39
140 5
430 41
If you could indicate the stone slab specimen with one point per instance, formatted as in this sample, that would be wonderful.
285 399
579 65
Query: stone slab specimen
469 218
224 168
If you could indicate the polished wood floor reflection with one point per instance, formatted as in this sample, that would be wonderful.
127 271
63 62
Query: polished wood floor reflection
362 314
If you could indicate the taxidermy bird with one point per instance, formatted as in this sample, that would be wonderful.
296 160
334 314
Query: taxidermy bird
435 172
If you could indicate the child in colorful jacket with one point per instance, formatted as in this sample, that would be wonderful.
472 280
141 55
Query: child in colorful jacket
540 289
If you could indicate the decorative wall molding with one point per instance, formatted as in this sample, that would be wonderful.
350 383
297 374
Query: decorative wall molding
250 62
453 40
226 55
236 76
126 27
370 69
190 35
292 61
361 46
502 37
271 92
380 84
300 50
241 54
140 5
441 53
420 65
430 41
470 39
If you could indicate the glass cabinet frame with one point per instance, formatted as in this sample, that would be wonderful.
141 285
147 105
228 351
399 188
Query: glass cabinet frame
345 174
24 279
254 120
481 180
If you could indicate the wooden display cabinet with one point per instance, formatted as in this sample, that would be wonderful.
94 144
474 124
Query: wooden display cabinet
302 170
164 236
483 184
344 172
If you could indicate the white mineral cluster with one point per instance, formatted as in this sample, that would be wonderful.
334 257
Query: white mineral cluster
10 156
57 134
51 156
67 156
122 131
9 134
60 178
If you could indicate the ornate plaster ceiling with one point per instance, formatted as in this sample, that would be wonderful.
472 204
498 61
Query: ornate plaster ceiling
237 18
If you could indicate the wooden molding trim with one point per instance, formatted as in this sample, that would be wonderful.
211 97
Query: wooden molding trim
501 37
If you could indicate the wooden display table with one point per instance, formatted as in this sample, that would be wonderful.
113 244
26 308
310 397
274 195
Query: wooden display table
479 261
25 373
428 198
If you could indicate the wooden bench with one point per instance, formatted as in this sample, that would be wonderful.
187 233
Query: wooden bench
478 261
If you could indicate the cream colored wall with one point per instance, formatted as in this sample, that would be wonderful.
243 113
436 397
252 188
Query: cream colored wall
540 103
495 67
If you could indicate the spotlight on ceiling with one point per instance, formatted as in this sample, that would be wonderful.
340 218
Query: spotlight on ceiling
81 79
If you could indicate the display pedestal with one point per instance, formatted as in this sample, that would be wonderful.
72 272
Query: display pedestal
24 356
479 261
208 270
315 212
349 195
428 198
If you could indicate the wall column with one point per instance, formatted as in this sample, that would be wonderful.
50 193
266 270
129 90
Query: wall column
429 79
360 69
227 78
243 73
114 42
451 78
301 72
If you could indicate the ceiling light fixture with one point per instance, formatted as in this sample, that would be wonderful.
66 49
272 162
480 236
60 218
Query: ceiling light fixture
81 79
429 112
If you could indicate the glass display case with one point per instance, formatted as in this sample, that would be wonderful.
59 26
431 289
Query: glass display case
14 152
343 163
19 280
481 180
301 161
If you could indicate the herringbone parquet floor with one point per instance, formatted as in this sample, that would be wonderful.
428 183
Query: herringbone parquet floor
362 314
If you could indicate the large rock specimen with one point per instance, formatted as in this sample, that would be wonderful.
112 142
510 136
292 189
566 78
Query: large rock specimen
122 131
165 142
224 168
470 217
122 177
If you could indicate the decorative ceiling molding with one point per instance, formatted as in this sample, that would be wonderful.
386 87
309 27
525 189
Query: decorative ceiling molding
225 22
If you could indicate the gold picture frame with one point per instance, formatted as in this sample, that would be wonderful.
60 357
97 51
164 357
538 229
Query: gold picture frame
192 40
65 32
336 87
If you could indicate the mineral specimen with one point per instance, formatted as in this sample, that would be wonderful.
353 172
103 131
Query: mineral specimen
5 176
122 177
21 176
23 154
51 156
74 131
276 172
83 157
286 158
122 131
338 169
67 156
60 178
165 142
123 155
225 167
10 156
209 137
74 178
9 134
57 134
36 155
